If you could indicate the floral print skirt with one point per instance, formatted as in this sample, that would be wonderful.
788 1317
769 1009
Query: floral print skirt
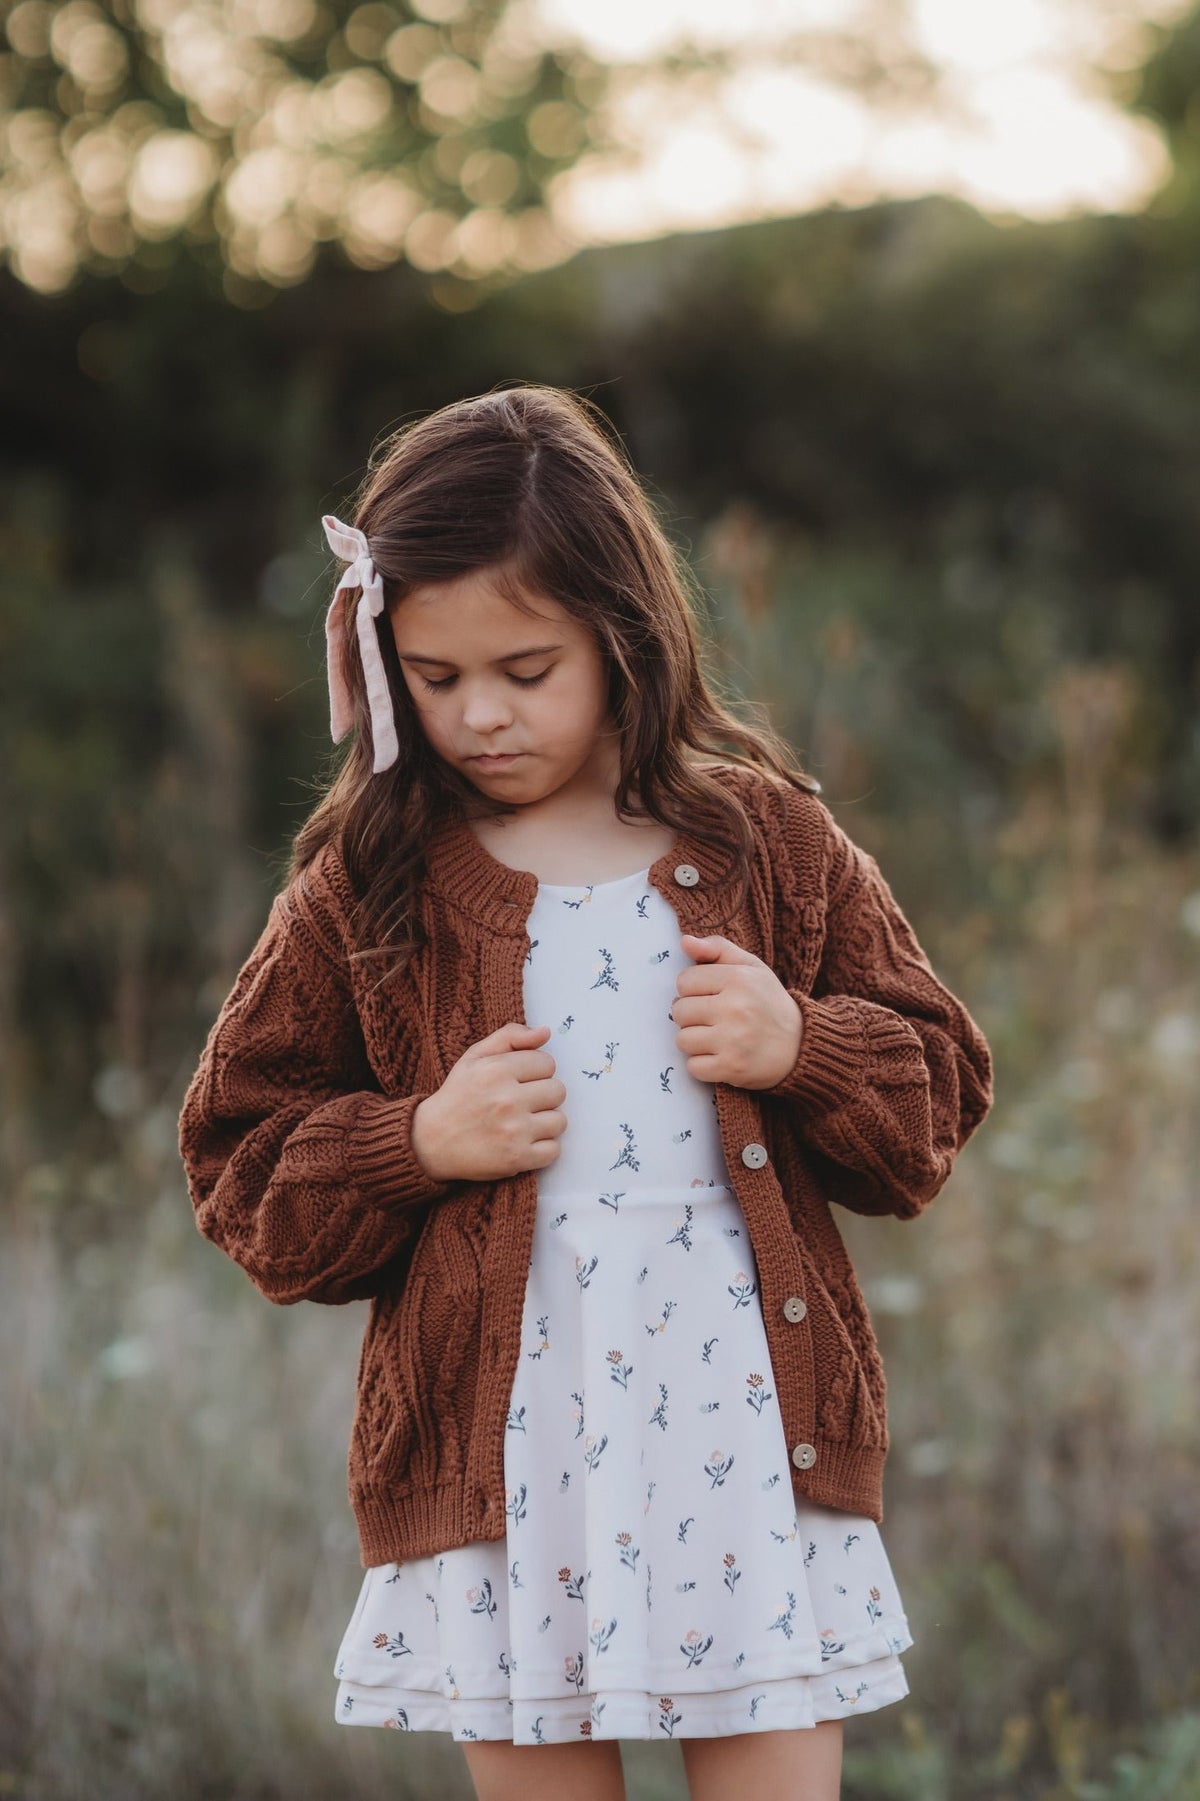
658 1576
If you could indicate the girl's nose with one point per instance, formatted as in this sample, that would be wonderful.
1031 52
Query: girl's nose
482 717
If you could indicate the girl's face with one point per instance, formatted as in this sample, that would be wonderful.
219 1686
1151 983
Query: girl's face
486 677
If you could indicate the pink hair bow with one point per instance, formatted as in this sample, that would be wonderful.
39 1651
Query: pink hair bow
347 542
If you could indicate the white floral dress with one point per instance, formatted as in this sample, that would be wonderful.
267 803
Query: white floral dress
658 1577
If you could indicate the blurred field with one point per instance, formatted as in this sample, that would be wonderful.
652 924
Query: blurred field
178 1555
936 476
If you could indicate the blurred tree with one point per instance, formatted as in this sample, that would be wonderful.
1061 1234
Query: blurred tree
258 131
1166 88
443 133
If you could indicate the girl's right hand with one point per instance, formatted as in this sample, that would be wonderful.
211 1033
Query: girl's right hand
498 1113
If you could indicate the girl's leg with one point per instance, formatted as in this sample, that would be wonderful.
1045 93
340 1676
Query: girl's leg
800 1764
587 1771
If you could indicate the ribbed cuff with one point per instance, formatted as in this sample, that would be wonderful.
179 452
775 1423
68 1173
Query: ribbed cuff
380 1156
831 1066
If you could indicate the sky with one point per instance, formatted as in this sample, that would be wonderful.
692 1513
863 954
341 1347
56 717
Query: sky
1021 123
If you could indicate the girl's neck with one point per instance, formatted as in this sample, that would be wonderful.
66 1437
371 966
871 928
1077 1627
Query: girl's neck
576 849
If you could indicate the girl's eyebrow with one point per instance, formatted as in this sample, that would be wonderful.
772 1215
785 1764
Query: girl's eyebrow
534 650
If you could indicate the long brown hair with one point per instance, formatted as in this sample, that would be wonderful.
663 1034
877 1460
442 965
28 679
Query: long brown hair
532 484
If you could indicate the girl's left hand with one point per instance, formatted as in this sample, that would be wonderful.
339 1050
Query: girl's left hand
737 1022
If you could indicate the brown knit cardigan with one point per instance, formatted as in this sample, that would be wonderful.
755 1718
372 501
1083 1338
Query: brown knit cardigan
295 1136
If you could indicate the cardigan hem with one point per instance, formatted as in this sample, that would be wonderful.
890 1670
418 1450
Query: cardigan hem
395 1528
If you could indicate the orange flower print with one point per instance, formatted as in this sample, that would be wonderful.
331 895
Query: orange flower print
628 1551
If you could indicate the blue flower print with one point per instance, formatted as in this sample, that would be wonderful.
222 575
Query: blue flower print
849 1700
515 1503
619 1371
732 1573
394 1646
718 1467
585 1269
693 1649
706 1353
627 1551
659 1416
626 1159
480 1598
604 974
668 1309
742 1288
544 1329
516 1419
664 1078
600 1634
784 1617
574 1669
592 1452
683 1228
681 1535
605 1068
610 1200
831 1645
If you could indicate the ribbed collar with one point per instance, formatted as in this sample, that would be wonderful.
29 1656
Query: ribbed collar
464 872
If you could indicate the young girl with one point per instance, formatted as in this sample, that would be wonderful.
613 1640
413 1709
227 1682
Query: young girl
563 1036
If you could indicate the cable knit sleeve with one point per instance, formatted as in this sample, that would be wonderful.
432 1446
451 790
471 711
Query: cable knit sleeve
297 1165
893 1075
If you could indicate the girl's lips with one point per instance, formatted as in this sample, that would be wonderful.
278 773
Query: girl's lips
507 756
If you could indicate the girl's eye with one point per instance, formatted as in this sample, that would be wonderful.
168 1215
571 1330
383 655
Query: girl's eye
523 681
